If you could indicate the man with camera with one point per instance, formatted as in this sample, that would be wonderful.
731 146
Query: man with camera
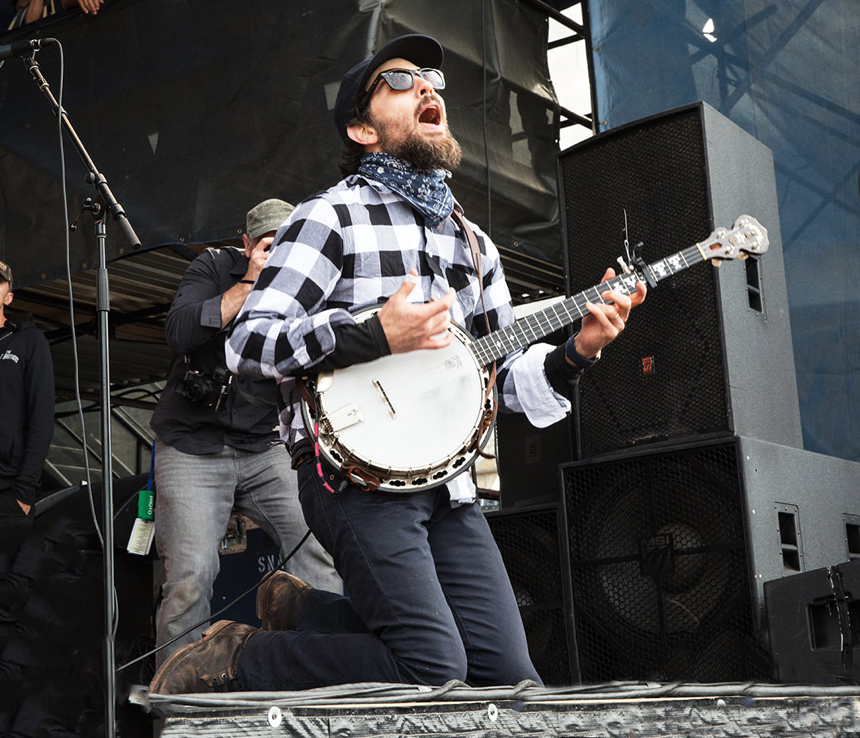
217 445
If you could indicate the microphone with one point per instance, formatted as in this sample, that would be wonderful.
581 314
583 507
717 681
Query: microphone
22 48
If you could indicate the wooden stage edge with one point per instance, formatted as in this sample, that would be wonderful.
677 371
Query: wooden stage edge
614 710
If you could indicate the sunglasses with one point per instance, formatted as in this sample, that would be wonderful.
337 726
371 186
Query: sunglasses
404 79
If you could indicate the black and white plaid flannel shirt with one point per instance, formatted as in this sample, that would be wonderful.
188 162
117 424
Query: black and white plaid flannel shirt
350 248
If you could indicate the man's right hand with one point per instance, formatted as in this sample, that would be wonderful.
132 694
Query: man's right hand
411 326
232 300
257 257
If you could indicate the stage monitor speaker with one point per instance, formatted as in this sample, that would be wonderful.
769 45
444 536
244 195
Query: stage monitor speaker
533 547
528 459
670 547
709 353
53 602
814 625
240 570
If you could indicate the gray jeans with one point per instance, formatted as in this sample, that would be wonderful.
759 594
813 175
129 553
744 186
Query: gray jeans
194 498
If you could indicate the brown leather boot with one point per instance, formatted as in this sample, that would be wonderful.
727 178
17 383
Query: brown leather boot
207 665
280 599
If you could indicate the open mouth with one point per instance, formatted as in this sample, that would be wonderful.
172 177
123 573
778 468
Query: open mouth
431 115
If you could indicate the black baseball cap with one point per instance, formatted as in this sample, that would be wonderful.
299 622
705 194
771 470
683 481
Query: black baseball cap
417 48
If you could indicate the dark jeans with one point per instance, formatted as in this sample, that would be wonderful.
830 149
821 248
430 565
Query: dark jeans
425 578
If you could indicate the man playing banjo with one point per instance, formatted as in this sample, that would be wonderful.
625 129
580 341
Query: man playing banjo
430 599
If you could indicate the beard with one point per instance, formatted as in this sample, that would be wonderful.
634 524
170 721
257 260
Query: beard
425 154
442 153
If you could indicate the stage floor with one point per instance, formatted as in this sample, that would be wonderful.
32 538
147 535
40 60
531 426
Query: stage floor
618 710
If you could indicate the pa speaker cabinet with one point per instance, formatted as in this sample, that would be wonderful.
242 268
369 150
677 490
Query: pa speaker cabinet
814 625
709 353
528 459
534 549
670 548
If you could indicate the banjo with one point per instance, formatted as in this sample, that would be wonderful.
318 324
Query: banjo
405 423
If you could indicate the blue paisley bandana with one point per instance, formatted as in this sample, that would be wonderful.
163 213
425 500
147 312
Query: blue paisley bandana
427 192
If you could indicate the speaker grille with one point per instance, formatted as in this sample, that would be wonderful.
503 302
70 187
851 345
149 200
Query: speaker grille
531 549
665 379
659 568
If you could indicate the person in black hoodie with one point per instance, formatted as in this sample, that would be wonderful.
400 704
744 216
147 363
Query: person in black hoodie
26 409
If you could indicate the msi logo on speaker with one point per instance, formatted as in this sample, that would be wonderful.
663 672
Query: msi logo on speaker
657 555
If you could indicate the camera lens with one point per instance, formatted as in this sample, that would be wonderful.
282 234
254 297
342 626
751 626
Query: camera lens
196 387
196 390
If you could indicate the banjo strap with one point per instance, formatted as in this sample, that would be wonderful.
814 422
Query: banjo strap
476 258
306 394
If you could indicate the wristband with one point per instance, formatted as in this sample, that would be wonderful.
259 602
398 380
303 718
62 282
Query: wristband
571 353
246 281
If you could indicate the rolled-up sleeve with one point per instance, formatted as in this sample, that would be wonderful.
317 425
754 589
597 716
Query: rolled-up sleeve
525 387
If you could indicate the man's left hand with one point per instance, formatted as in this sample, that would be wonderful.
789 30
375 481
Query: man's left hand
86 6
607 319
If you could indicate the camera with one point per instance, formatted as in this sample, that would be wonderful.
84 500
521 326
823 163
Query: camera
203 389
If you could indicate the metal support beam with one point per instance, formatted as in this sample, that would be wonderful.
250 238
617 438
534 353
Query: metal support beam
551 12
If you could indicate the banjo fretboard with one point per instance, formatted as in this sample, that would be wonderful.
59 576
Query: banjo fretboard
542 323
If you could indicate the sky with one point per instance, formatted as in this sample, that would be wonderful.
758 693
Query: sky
569 72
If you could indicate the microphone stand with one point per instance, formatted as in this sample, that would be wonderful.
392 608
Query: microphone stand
98 180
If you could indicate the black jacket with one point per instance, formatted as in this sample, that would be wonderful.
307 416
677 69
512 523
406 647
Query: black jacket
193 329
26 408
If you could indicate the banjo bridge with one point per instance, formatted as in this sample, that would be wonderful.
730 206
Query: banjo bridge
384 395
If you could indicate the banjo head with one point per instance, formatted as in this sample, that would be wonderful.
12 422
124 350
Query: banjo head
408 419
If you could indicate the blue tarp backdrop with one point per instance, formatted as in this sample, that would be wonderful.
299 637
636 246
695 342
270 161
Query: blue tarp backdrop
786 72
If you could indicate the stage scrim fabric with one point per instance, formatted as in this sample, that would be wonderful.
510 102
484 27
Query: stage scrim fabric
786 72
195 111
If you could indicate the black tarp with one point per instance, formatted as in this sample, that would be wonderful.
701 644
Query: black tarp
786 72
195 111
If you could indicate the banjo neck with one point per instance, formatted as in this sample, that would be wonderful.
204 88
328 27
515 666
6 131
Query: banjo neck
747 236
542 323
